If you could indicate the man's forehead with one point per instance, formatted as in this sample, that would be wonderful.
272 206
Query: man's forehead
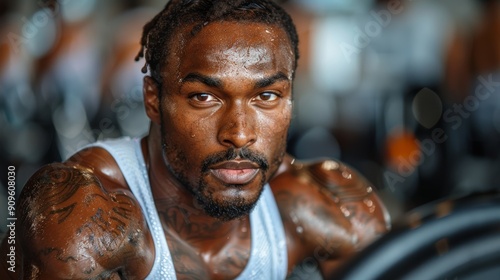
245 44
244 54
232 32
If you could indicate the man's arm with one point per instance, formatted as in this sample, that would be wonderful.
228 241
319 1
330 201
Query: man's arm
329 212
72 228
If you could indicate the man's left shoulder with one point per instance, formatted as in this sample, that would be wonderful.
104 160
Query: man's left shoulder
333 178
328 194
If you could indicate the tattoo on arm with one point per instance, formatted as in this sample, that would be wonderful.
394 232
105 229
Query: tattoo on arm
62 198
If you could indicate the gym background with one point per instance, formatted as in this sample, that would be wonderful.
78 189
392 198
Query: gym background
405 91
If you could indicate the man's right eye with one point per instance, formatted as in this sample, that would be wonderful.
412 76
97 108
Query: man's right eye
202 97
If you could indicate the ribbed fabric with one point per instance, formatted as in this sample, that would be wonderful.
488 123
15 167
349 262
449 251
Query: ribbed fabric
268 256
128 155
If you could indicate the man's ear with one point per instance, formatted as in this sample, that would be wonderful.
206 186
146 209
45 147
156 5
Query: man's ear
151 92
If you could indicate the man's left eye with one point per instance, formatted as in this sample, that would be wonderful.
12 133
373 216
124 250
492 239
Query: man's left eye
267 96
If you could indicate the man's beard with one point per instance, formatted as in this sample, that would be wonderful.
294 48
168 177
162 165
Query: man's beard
223 210
237 207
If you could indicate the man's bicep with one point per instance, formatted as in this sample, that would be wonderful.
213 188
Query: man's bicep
354 198
70 227
355 202
329 212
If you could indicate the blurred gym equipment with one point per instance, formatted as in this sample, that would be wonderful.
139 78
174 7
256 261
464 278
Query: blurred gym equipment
449 239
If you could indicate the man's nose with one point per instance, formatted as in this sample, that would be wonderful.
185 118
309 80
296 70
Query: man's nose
237 127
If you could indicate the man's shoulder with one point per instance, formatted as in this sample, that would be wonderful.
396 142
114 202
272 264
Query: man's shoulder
328 204
57 183
54 184
88 173
331 183
329 176
70 224
102 164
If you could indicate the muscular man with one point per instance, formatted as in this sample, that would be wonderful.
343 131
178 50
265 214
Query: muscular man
209 193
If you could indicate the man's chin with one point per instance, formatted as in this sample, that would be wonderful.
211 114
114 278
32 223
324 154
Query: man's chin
226 213
230 206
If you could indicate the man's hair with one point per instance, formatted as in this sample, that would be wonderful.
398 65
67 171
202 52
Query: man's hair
157 35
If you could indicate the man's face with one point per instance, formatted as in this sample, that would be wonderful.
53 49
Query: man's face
226 108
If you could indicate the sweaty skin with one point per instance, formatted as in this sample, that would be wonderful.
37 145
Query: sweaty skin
221 93
229 87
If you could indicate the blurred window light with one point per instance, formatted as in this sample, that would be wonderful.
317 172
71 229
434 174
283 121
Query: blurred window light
74 11
39 32
335 59
430 26
336 6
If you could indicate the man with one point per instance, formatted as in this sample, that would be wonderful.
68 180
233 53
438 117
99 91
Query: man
209 193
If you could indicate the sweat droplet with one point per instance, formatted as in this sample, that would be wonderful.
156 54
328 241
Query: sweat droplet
345 211
368 202
299 229
193 136
346 175
330 165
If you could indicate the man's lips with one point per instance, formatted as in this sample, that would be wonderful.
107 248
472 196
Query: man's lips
235 172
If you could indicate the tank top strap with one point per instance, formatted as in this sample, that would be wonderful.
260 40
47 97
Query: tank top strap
268 256
128 155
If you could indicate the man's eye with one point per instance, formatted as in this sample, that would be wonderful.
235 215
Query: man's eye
267 96
202 97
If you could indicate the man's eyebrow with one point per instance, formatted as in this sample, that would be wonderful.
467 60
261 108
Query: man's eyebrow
265 82
197 77
214 82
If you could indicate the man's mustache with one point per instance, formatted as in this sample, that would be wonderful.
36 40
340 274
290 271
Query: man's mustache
232 154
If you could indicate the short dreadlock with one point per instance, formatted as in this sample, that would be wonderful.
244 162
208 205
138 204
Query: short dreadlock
178 13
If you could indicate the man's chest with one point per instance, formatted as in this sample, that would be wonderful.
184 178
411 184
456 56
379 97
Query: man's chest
208 262
205 250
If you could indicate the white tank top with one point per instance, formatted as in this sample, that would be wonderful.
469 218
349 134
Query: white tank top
268 253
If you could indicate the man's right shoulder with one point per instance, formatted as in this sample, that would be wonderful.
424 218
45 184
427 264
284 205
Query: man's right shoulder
102 164
72 225
56 189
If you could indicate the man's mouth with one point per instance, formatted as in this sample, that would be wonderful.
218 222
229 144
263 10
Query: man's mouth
235 172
